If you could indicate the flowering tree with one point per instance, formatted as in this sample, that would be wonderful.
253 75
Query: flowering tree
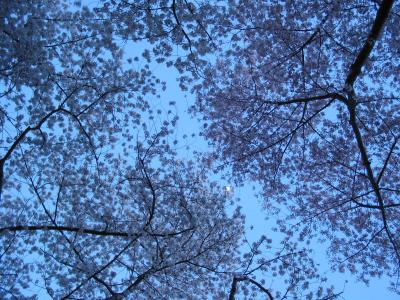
94 202
303 98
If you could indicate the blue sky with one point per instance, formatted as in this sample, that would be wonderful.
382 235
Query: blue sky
252 206
256 223
187 134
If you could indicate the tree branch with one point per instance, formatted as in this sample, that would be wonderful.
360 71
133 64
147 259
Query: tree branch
18 228
381 17
235 281
367 164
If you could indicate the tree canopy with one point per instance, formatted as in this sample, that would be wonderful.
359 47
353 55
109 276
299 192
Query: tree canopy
95 201
307 105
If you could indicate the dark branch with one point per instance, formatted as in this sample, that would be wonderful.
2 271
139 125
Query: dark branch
307 99
367 164
381 16
235 281
18 228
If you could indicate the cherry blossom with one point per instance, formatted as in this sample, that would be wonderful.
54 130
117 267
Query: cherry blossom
303 98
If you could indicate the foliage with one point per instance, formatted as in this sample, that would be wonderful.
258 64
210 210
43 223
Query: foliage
303 98
95 202
94 199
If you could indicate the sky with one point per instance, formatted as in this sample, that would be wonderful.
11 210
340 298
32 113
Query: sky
187 133
256 223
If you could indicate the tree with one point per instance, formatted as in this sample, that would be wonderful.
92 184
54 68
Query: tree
94 201
303 98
